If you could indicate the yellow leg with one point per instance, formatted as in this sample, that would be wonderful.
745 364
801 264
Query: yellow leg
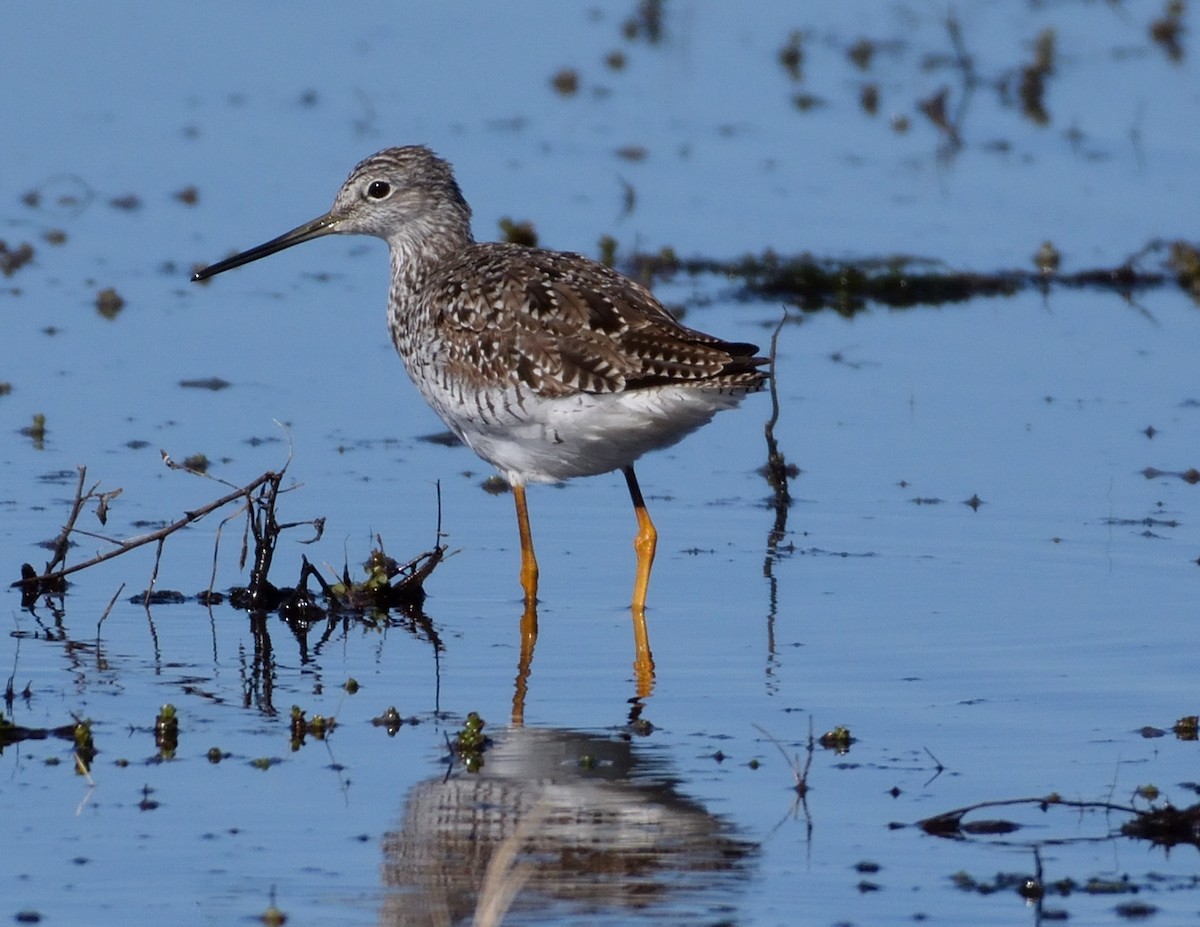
645 542
644 545
643 660
529 567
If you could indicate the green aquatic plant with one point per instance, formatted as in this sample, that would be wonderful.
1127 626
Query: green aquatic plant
470 742
166 732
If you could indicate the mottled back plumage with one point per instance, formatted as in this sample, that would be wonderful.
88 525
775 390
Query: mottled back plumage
558 322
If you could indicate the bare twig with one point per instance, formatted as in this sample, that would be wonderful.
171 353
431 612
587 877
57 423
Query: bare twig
51 576
949 823
212 579
800 775
61 543
111 603
154 573
10 688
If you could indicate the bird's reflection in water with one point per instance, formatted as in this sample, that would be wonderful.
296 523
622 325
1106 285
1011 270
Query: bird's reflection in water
643 662
575 825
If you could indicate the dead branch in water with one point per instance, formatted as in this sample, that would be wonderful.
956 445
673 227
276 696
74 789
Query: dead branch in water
257 501
52 578
1163 825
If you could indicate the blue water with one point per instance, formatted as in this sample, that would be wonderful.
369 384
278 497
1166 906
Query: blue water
1020 646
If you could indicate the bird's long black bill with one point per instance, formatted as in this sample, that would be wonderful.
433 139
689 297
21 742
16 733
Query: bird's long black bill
325 225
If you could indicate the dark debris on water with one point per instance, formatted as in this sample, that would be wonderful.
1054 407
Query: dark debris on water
900 281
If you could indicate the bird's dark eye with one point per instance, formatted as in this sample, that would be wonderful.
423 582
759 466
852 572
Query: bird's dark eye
379 189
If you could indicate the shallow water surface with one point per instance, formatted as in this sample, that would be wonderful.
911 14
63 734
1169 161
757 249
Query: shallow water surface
986 576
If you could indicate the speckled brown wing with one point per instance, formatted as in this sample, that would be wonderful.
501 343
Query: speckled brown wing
559 323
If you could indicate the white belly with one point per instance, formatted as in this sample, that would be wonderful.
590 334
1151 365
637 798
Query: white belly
530 439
